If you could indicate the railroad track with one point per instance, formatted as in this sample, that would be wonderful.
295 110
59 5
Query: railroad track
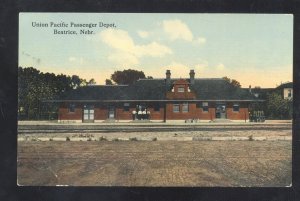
28 129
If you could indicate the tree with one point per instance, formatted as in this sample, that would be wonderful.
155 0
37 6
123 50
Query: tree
91 82
28 88
75 81
277 107
227 79
35 86
108 82
127 76
233 82
236 83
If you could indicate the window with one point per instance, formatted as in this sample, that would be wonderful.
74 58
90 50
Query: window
126 107
156 107
71 107
175 107
205 106
236 107
180 89
185 107
289 93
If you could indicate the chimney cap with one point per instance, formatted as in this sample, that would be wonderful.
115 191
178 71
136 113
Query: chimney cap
168 71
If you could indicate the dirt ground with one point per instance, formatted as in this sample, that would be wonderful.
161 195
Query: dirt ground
155 163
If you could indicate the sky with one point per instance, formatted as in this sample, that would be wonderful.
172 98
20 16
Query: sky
255 49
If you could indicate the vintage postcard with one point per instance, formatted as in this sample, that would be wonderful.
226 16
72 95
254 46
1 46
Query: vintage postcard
131 99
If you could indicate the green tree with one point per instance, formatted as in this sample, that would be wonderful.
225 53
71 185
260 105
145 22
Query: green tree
108 82
62 83
76 81
277 107
233 82
91 82
35 86
236 83
127 76
28 87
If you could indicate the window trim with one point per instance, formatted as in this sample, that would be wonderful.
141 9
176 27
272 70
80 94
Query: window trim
205 106
289 95
126 107
71 108
183 106
181 87
178 108
236 105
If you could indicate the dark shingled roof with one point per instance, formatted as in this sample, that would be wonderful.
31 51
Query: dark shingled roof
219 89
107 92
155 89
285 85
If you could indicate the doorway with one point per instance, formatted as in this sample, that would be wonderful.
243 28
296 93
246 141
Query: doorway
220 111
111 112
88 113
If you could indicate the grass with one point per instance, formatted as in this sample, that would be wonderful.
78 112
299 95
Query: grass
133 139
102 138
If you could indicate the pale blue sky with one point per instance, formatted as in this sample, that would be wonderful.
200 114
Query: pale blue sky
255 49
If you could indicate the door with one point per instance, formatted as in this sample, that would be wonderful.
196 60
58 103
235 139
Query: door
88 113
221 111
111 112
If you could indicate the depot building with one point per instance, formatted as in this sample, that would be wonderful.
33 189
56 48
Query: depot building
158 100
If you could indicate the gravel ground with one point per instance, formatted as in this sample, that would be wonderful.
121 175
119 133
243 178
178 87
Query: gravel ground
157 163
174 155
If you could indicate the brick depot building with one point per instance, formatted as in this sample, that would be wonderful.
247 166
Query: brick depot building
157 100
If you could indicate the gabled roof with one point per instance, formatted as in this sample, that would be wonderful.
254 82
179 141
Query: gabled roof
97 92
219 89
155 89
285 85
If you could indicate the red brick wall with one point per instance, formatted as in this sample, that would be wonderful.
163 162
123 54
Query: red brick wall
127 115
64 114
157 115
180 95
210 115
242 114
100 112
171 95
123 115
193 113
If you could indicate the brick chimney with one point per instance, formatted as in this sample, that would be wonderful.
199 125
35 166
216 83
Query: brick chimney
168 77
192 77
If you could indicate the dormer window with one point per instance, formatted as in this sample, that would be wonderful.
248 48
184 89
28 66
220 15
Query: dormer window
180 89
